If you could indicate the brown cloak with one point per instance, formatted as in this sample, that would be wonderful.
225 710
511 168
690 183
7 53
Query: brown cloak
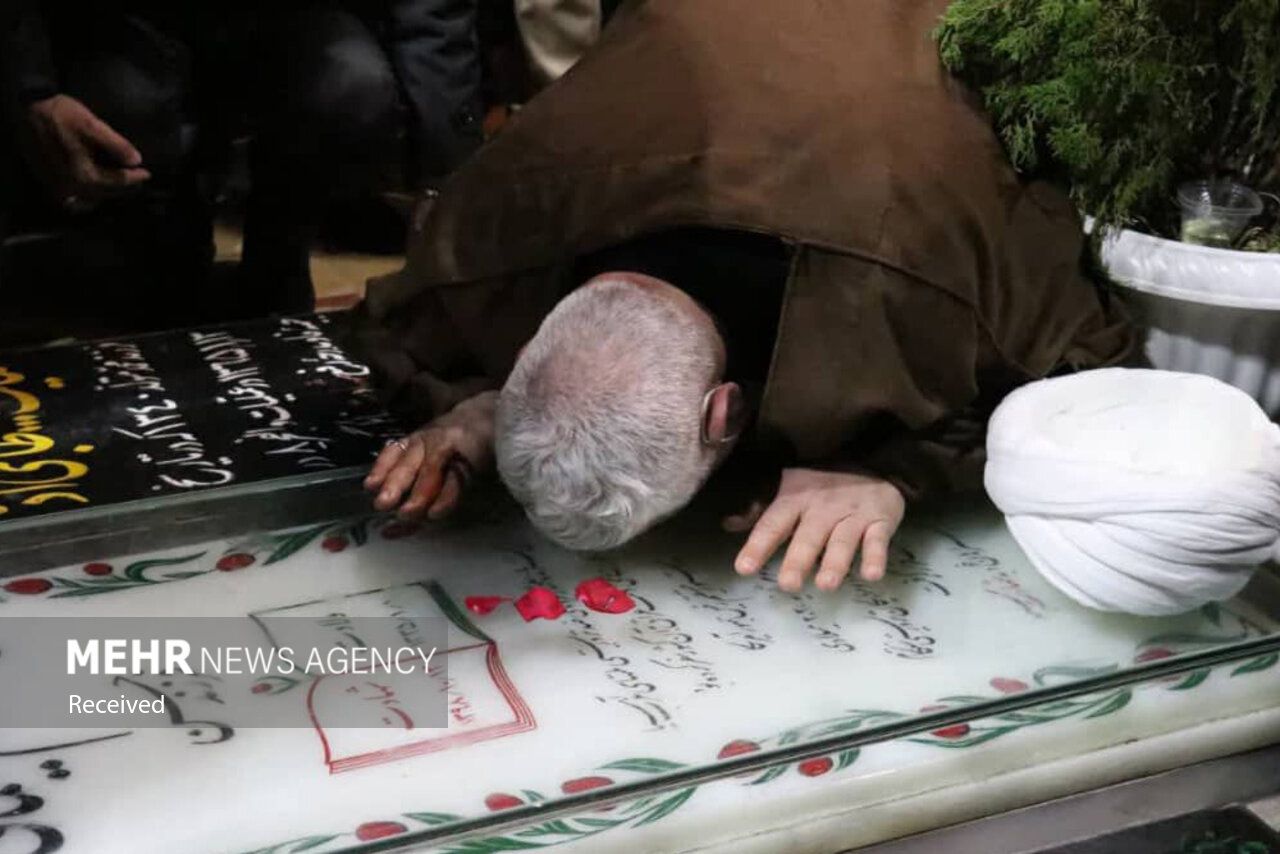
926 277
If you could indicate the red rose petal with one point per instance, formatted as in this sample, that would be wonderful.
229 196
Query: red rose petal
261 688
539 602
483 604
1008 686
29 586
232 562
502 801
583 784
379 830
957 731
737 748
97 568
815 767
599 595
334 544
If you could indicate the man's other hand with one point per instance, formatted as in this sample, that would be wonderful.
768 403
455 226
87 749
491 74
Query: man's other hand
80 157
425 473
827 515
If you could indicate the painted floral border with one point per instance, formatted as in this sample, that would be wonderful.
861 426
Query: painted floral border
654 808
334 537
259 550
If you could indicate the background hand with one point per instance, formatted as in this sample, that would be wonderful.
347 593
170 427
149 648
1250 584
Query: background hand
82 159
434 464
831 515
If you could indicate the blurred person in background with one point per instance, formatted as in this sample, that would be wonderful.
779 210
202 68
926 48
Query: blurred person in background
110 112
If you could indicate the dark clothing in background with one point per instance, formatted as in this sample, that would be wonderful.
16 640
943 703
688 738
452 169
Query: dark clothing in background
337 98
430 45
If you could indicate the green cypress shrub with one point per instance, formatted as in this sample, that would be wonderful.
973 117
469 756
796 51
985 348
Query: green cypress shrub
1121 100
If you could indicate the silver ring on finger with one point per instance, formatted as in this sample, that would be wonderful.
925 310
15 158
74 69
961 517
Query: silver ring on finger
401 443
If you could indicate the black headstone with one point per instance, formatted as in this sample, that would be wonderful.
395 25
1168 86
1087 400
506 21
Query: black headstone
104 424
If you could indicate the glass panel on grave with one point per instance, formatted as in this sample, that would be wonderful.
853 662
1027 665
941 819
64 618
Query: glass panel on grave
710 680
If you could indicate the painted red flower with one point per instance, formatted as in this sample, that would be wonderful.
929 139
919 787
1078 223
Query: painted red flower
335 543
583 784
502 801
1008 686
737 748
933 708
232 562
398 530
1153 654
956 731
539 602
599 595
816 767
371 830
483 604
29 586
261 688
97 569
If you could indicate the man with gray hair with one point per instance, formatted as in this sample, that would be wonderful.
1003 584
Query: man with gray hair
827 256
598 434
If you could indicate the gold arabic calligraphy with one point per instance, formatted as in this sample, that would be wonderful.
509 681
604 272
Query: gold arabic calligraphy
39 480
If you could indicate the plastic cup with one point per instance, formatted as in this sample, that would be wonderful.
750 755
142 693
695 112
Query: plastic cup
1215 213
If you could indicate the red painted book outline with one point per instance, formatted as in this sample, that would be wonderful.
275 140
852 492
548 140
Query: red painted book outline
522 719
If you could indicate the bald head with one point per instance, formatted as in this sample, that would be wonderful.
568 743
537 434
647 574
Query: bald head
598 427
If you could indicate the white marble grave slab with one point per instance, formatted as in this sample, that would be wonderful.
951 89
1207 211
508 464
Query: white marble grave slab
707 663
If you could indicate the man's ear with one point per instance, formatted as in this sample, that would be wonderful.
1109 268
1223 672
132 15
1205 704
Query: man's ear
723 414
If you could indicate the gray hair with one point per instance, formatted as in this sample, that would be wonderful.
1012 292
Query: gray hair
598 426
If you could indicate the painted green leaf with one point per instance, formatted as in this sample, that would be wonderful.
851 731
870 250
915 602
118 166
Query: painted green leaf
1033 717
643 766
136 570
598 823
638 806
845 758
293 543
1113 704
770 775
554 827
295 846
433 817
964 699
1192 680
668 806
1264 662
532 796
837 729
179 576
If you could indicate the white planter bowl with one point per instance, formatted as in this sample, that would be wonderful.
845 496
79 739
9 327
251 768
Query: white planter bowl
1207 311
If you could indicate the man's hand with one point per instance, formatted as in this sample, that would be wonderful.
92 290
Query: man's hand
434 464
82 159
825 514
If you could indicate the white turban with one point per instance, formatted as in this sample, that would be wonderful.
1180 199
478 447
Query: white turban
1147 492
